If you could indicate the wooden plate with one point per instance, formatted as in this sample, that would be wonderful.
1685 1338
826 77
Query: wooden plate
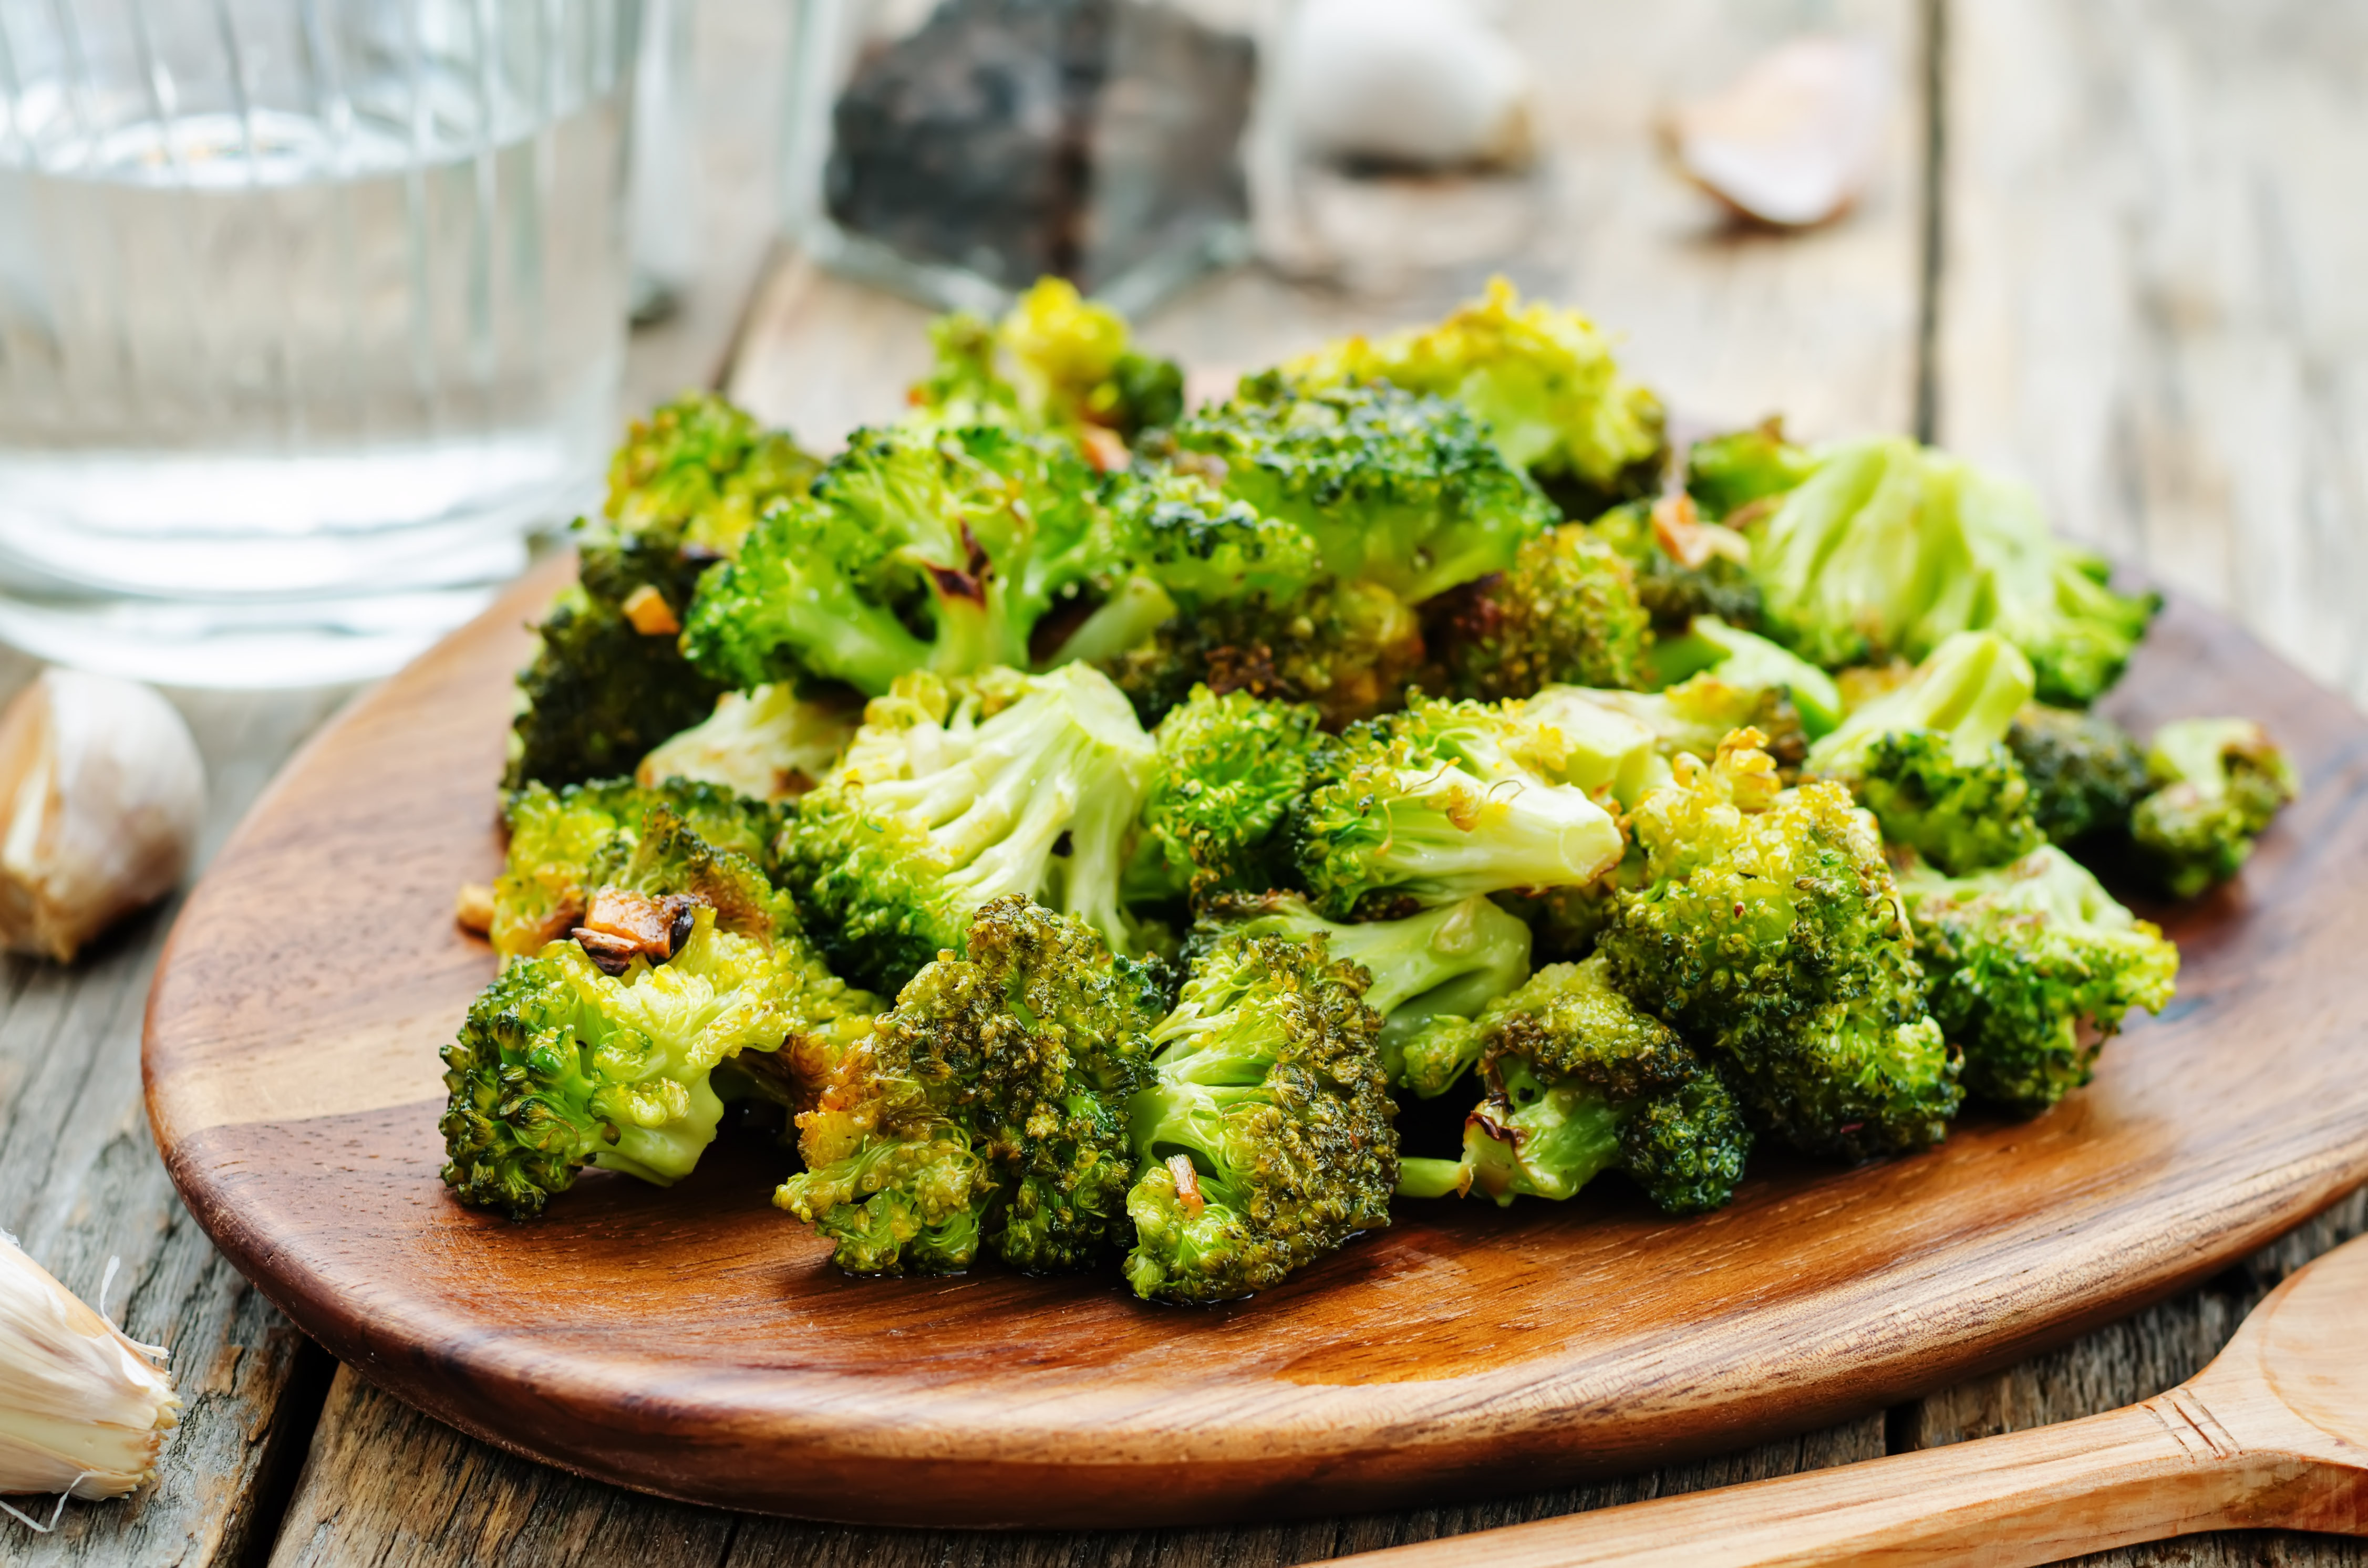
696 1343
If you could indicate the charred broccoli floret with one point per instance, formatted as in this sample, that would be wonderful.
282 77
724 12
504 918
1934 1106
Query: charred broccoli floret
1564 611
987 1108
1055 362
1348 648
1440 802
1449 961
1394 489
1575 1082
1766 928
2033 965
608 681
768 745
951 797
918 550
2219 782
2086 772
1930 757
1230 768
1684 567
1264 1137
1541 379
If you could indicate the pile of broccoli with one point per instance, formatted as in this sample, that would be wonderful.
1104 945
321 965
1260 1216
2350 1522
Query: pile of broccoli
1081 824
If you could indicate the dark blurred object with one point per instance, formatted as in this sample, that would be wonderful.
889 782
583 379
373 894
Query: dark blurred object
1094 140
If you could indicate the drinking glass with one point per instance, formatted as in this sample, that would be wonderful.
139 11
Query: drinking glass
309 311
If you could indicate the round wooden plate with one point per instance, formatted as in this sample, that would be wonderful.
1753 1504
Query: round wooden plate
698 1343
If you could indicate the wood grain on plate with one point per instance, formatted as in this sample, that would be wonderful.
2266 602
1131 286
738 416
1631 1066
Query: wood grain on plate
696 1343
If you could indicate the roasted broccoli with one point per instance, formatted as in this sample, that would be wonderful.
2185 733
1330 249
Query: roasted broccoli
1692 716
768 744
918 550
2218 783
1576 1082
2085 771
1930 757
1766 928
1746 660
1541 379
953 796
1564 611
608 681
1055 362
1264 1139
1394 489
1683 566
1441 802
987 1108
1728 476
2032 966
1230 768
1348 648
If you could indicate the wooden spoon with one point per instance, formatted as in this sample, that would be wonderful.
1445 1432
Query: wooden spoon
2273 1434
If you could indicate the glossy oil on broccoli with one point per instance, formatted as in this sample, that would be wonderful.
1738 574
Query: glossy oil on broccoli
1265 1138
2086 772
2219 782
1577 1081
1566 611
953 796
2033 965
1930 757
988 1109
1766 928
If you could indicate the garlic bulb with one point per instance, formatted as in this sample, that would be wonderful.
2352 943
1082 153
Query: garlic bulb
103 792
768 743
1794 139
1423 82
83 1409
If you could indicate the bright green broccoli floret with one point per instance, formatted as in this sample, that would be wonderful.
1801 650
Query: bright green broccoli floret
1542 381
1727 474
987 1108
2085 771
1765 927
1394 489
950 798
918 550
1441 802
1689 718
2219 782
1230 768
1348 648
1264 1137
1055 362
1683 567
1564 611
1930 757
1746 660
2032 966
1449 961
1576 1082
608 681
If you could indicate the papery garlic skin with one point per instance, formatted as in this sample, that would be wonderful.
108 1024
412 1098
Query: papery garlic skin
104 793
82 1407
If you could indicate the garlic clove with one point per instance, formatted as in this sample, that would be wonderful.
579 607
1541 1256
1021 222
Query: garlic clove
83 1408
1419 82
104 793
1793 140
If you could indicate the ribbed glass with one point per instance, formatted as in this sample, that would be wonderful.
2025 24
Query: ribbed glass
310 310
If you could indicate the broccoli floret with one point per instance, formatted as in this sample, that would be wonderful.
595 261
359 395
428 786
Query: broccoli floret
918 550
1348 648
1930 757
1564 611
2086 772
1766 929
1449 961
768 744
1725 474
1056 362
2033 966
950 798
989 1109
1541 379
564 842
1230 768
1576 1082
608 681
1394 489
1691 717
1684 567
1265 1138
2219 782
1441 802
1747 661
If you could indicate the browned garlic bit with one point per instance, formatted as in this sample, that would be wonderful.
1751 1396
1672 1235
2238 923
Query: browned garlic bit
103 792
1793 140
83 1408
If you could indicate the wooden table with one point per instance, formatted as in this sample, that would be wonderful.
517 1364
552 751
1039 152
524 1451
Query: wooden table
2113 248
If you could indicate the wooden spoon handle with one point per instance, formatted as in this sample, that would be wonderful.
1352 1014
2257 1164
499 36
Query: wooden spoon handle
2159 1468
